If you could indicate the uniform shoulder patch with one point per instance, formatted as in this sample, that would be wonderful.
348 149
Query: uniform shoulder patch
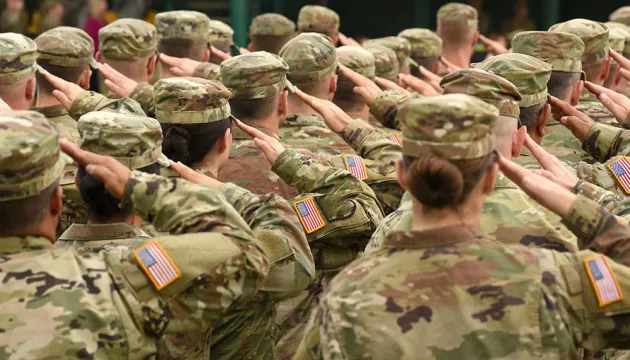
393 137
603 280
355 166
620 169
157 264
309 215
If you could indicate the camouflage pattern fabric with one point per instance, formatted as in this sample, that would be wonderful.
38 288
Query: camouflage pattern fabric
67 47
89 101
621 15
593 34
220 34
319 19
17 54
623 30
271 25
143 95
563 51
591 106
58 115
458 13
94 237
128 39
603 142
617 40
183 24
207 71
600 175
358 60
310 56
385 108
400 45
309 131
385 61
256 75
424 42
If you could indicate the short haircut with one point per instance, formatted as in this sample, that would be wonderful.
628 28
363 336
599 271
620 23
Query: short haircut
68 73
183 48
529 115
425 62
456 33
250 110
269 43
315 88
593 70
190 143
561 82
21 215
129 68
345 97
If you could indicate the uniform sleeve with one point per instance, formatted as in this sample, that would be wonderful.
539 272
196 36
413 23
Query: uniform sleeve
89 101
373 144
280 234
598 174
207 71
143 95
310 346
385 108
604 141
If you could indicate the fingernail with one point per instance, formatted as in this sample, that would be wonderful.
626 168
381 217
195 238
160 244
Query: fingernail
90 168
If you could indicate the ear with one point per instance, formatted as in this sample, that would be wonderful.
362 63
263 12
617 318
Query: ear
489 180
436 67
542 121
206 56
518 138
576 92
29 89
98 56
400 174
56 202
475 39
226 142
606 68
250 47
151 67
282 106
84 79
332 87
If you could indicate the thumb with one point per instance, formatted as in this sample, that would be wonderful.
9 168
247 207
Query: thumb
63 99
363 92
266 149
610 104
100 172
178 72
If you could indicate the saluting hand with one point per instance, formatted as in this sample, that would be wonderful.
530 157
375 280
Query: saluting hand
65 91
553 169
576 121
364 87
335 118
117 83
271 147
194 177
180 66
616 103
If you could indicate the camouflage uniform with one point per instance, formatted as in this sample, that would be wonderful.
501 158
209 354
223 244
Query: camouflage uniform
519 302
271 26
385 61
623 30
311 57
248 332
595 37
109 304
319 19
136 142
456 16
621 15
17 58
221 37
400 45
424 43
563 51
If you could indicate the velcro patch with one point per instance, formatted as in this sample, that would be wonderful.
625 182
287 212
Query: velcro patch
355 166
393 137
621 171
603 280
309 215
157 264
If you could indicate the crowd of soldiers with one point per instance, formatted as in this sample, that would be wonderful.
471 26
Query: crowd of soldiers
385 200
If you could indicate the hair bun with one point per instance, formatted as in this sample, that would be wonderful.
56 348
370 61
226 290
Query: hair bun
435 182
175 144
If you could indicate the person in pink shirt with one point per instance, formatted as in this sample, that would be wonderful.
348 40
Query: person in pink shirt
96 20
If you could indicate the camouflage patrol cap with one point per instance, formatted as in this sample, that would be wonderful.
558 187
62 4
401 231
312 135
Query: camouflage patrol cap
460 13
30 158
66 47
621 30
486 86
358 60
311 57
18 55
562 50
128 39
135 141
424 42
400 45
621 15
616 40
385 61
183 24
319 19
453 126
220 34
593 34
527 73
256 75
271 25
190 101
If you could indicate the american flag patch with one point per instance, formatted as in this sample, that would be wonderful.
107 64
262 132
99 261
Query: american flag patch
157 264
310 218
603 280
356 167
393 137
621 170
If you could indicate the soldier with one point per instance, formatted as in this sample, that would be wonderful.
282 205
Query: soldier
563 51
402 48
616 41
269 32
426 49
595 63
611 83
385 62
621 15
470 292
319 19
509 215
112 304
361 61
313 64
458 29
107 133
220 36
17 70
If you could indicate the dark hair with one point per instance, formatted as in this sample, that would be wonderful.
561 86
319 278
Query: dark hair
252 109
189 143
425 62
438 183
345 97
183 48
561 82
22 214
100 204
529 115
70 74
270 43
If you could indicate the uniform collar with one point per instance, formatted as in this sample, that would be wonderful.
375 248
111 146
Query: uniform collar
237 133
52 111
413 239
18 244
304 119
80 232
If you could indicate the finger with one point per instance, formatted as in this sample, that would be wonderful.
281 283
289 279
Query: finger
356 78
390 85
100 172
484 40
306 98
63 99
625 73
266 149
544 158
513 171
618 78
80 156
220 54
170 60
562 106
364 93
450 65
428 74
620 59
181 169
56 82
115 89
178 72
612 106
253 132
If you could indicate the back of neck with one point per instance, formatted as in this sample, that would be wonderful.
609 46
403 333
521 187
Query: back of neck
46 100
458 56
